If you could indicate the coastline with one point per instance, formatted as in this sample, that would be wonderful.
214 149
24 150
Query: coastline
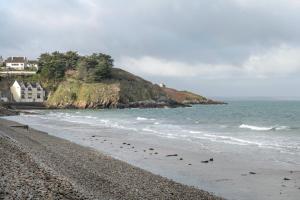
84 172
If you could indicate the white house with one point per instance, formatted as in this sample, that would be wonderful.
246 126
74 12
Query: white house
20 63
16 63
27 92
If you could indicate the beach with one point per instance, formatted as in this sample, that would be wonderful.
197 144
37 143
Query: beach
235 151
36 165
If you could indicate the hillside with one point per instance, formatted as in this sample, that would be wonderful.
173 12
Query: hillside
186 97
91 81
122 90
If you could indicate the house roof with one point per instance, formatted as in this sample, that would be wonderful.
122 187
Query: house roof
27 84
16 60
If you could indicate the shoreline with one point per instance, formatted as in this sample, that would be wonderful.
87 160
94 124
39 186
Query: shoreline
234 173
85 172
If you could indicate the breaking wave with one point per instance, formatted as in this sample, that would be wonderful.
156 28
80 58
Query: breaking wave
261 128
144 119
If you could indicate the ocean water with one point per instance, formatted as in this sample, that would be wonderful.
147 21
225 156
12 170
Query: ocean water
266 131
270 125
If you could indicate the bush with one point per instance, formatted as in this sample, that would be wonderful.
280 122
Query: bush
92 68
95 68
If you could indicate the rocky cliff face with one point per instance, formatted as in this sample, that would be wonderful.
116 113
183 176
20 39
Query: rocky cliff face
81 95
122 91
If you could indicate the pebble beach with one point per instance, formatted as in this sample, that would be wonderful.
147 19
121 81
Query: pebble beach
35 165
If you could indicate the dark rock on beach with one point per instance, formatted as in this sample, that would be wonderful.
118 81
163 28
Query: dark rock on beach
172 155
8 112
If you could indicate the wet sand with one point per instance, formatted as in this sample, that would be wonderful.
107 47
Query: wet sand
237 175
36 165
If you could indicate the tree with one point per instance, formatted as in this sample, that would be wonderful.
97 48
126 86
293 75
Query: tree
103 67
72 59
95 68
52 66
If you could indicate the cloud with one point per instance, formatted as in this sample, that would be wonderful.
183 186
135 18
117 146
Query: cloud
276 62
211 31
185 40
280 61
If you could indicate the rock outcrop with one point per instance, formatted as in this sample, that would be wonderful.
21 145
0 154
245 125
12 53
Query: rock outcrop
123 90
7 112
186 97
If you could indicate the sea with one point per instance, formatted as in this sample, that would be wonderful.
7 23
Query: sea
266 131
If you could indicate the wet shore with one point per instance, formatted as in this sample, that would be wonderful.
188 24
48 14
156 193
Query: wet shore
37 165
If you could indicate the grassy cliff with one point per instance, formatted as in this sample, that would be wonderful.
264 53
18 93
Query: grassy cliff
72 93
122 90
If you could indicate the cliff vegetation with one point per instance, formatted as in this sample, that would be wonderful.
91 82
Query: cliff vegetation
75 81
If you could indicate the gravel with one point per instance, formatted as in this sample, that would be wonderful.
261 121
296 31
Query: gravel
35 165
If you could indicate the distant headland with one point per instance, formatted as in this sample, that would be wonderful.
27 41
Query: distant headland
69 80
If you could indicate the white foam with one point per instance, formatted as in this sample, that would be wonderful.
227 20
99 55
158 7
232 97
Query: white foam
195 132
256 128
261 128
144 119
227 139
141 119
282 128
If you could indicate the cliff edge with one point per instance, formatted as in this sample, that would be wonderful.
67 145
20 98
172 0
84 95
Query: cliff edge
122 90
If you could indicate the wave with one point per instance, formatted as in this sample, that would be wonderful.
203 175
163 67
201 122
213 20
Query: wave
231 140
261 128
144 119
195 132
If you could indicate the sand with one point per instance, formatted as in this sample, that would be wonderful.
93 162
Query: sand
228 175
35 165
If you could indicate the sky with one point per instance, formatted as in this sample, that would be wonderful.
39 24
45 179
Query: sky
218 48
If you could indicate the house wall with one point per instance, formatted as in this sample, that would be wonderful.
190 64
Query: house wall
29 94
33 95
15 90
18 66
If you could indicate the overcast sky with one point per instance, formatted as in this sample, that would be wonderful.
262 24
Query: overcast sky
213 47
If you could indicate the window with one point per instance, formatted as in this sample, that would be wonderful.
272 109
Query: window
29 89
38 95
23 96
